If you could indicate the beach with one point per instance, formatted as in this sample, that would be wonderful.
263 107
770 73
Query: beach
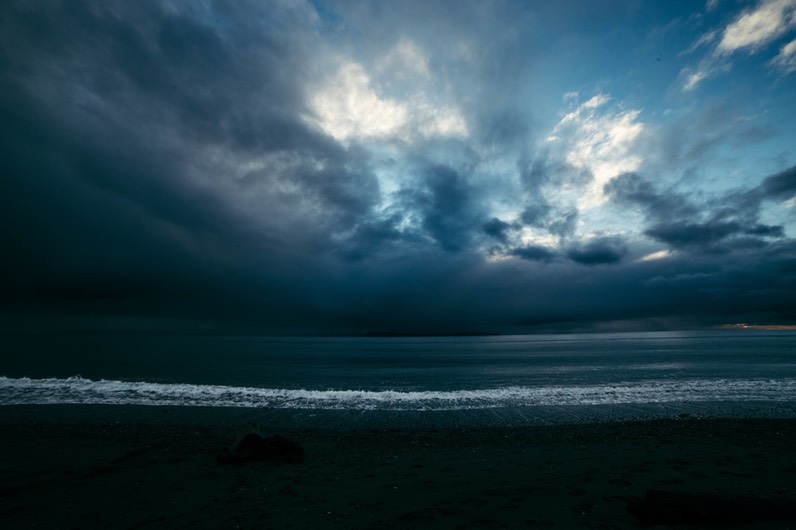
148 467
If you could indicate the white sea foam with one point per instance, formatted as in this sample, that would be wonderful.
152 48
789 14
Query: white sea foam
78 390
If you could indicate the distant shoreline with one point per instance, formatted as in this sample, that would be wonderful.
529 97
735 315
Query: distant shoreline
765 327
407 334
66 331
389 334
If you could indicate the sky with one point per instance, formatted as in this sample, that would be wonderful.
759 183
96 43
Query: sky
295 166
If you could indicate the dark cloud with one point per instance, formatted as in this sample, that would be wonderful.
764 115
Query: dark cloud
545 168
109 111
692 234
162 164
533 253
559 222
564 224
781 186
535 214
633 189
497 229
765 231
599 251
535 178
446 207
721 223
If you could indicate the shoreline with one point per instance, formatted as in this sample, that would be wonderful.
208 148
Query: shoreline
91 468
345 419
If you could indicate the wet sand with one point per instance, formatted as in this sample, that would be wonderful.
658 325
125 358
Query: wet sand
62 468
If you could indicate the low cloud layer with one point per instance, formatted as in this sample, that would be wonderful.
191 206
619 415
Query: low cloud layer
343 168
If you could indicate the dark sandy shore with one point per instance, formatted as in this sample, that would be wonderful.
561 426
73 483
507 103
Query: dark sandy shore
62 469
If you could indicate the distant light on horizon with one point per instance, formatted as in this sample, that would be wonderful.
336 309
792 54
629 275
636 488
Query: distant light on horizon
660 254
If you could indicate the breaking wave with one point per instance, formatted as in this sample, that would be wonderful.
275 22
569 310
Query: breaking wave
78 390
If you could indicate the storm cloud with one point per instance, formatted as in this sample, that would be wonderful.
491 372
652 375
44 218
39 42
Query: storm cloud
307 167
683 223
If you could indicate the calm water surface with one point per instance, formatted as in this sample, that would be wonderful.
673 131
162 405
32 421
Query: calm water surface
400 372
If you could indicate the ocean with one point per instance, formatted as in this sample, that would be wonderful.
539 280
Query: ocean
402 373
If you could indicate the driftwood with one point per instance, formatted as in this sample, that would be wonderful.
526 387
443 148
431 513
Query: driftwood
680 507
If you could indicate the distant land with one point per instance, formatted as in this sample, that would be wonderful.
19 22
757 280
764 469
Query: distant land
392 333
441 334
772 327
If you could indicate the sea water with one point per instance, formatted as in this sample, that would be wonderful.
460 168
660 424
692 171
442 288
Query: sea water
401 373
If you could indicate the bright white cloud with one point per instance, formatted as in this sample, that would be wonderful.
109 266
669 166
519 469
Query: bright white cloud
769 20
350 106
532 236
786 60
693 79
596 101
601 142
708 68
654 256
750 31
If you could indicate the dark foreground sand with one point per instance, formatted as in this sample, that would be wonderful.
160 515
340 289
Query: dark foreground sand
90 472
